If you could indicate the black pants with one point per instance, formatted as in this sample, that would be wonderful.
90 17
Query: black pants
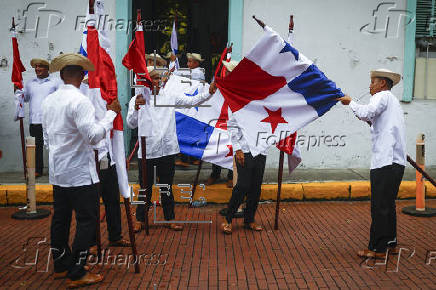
165 174
249 183
111 198
385 183
35 130
216 172
82 200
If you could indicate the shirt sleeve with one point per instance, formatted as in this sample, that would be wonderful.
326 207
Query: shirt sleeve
368 112
132 114
84 117
44 129
26 92
235 133
190 101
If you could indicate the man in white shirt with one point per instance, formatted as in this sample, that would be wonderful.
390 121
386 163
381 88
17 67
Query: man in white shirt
109 188
249 181
386 118
161 141
35 91
70 131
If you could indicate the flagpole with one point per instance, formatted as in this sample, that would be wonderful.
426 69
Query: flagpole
23 143
97 229
279 189
196 182
131 233
144 181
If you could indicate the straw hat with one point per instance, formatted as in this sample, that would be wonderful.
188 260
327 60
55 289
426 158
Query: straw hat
159 59
39 61
151 71
168 55
195 56
230 65
67 59
385 73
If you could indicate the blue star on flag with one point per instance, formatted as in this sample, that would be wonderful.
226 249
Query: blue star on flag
288 48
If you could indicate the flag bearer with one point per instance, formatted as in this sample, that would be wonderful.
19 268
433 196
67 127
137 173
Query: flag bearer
386 118
162 145
70 130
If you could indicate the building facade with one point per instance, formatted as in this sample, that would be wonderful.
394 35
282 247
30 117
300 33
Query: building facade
346 39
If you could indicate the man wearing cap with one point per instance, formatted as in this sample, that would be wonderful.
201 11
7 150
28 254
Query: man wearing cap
35 91
162 144
70 131
386 118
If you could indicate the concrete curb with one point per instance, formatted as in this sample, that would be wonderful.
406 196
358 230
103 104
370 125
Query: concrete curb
219 193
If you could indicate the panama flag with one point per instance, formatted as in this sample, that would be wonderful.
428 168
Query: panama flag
17 76
199 132
174 46
103 89
274 91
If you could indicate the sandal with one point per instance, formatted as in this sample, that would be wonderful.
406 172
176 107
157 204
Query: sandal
227 228
254 227
120 243
370 254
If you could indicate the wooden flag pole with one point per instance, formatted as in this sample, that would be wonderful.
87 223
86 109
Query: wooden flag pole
97 229
260 22
144 181
279 189
23 143
196 182
131 233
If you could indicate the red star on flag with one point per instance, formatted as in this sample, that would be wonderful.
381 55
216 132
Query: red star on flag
230 151
274 118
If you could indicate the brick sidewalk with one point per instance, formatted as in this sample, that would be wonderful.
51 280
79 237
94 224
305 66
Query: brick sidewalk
315 247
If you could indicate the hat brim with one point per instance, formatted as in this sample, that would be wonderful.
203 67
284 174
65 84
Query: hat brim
189 55
394 77
34 62
64 60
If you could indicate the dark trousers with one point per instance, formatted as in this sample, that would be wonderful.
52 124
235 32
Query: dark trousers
249 183
216 172
165 174
82 200
385 183
111 198
35 130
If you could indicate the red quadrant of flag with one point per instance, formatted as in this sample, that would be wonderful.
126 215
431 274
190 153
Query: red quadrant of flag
248 82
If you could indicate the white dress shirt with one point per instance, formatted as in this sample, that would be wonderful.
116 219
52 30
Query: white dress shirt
237 138
70 130
388 129
35 91
196 74
104 146
162 139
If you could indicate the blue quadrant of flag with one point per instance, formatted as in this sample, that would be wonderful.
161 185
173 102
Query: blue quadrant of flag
193 135
319 92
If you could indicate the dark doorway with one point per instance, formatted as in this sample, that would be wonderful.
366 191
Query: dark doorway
201 27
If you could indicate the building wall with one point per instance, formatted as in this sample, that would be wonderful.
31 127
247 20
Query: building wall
327 31
340 36
47 41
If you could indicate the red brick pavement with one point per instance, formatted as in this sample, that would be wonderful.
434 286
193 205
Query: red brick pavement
314 247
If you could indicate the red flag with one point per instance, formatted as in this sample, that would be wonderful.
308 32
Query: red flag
104 76
17 67
135 57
